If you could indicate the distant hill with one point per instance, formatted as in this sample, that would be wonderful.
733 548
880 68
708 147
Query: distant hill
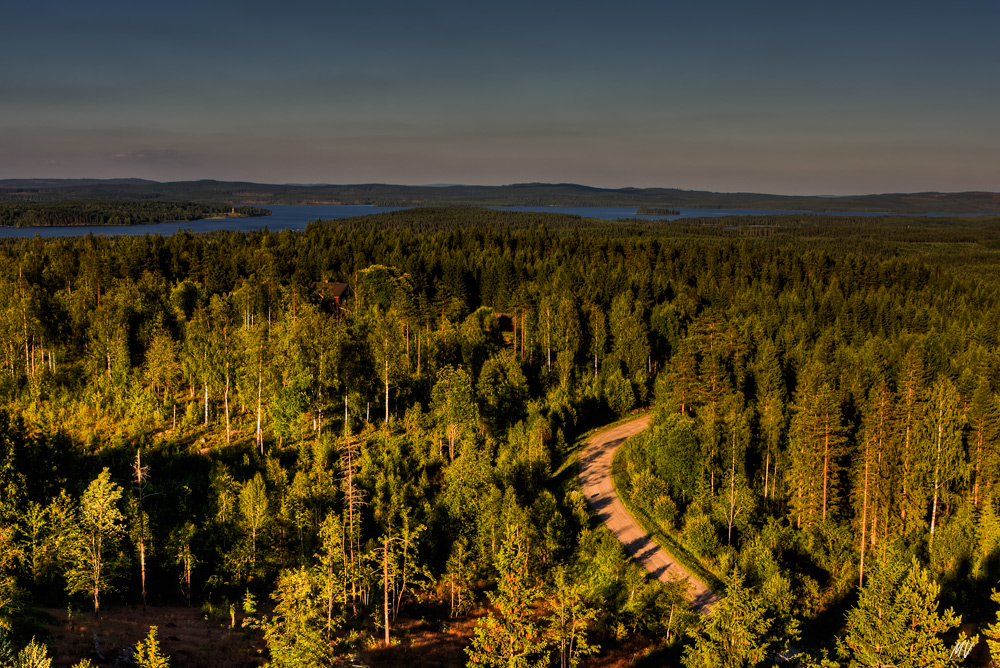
39 184
522 194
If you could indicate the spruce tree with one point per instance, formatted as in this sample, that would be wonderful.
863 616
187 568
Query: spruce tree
896 620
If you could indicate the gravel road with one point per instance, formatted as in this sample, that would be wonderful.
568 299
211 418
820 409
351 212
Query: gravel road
595 477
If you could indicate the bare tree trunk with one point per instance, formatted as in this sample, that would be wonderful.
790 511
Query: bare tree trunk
523 328
864 514
975 480
187 573
385 588
329 597
937 475
260 436
767 470
227 402
732 491
140 475
826 459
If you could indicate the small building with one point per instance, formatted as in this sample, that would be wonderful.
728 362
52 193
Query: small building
505 321
331 296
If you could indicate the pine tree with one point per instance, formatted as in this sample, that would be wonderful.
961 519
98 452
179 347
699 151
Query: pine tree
294 634
740 632
910 469
896 620
508 636
985 423
816 444
148 653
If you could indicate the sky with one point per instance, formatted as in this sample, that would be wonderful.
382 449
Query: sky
781 97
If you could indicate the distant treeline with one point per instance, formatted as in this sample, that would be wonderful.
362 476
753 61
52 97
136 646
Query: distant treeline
656 211
841 233
100 212
518 194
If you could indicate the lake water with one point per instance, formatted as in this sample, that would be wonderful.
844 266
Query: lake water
297 216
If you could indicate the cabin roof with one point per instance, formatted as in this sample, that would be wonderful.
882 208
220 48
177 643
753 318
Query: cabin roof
328 290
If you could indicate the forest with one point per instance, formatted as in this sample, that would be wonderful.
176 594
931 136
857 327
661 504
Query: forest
108 212
389 477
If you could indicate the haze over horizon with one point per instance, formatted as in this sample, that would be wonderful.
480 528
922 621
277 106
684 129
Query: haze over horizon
775 97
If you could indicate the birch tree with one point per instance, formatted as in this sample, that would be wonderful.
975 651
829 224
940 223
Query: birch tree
100 525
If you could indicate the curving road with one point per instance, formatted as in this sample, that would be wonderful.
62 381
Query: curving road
595 478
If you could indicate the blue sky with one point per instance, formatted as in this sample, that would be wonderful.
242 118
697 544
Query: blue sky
786 97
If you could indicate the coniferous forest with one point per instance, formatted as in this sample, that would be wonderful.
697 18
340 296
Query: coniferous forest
91 212
358 444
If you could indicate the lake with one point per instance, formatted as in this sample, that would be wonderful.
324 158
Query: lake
297 216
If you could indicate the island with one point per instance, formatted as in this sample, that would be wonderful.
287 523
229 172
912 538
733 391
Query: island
115 212
656 211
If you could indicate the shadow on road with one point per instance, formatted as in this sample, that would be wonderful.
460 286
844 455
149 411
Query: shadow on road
595 479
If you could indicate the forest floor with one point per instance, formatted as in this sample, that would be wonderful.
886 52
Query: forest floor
189 636
195 640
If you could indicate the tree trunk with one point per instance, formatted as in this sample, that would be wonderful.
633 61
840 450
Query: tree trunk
975 480
732 492
937 476
385 588
864 514
187 572
767 470
142 527
227 402
260 436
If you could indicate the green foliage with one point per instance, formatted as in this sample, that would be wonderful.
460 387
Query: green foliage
897 620
568 620
992 632
294 633
502 391
509 635
10 554
97 532
90 212
33 655
741 631
618 393
674 452
822 393
453 404
254 507
148 653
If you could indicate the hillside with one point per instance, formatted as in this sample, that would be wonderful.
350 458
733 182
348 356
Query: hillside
522 194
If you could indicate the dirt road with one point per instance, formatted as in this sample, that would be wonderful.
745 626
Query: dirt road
595 477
